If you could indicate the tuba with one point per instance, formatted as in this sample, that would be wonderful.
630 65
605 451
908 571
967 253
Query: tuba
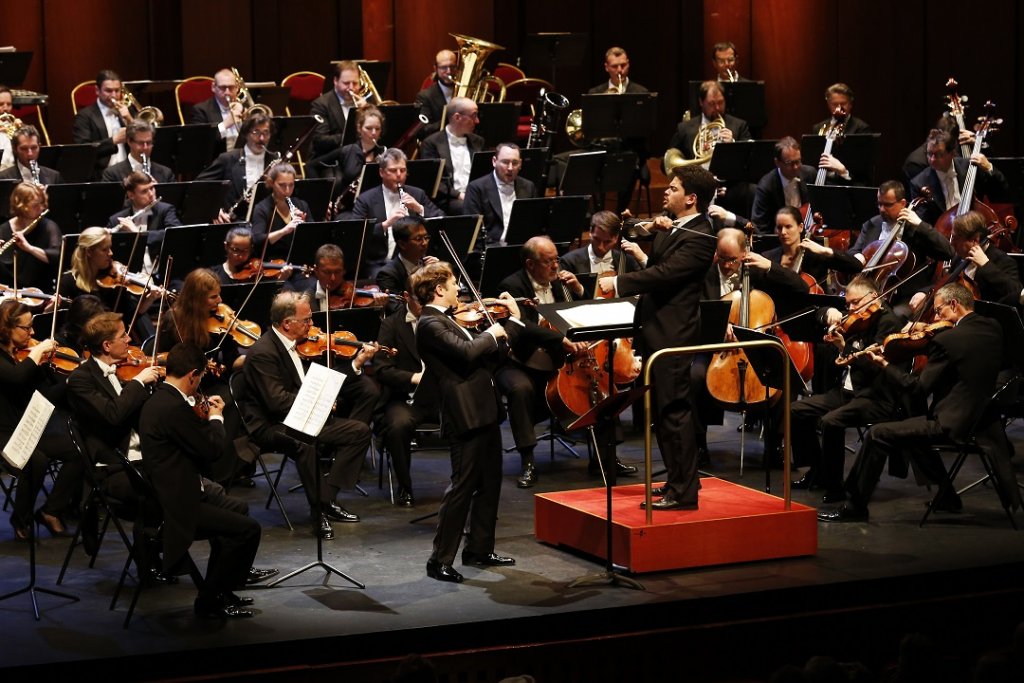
249 105
150 115
703 147
472 80
542 125
9 124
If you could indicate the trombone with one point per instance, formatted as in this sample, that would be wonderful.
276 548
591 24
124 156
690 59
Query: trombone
150 115
371 96
249 105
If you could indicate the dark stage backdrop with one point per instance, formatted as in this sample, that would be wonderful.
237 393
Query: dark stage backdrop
896 56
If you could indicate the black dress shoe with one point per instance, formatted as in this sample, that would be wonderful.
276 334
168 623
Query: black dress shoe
156 577
833 496
336 513
486 560
844 513
804 483
206 611
443 572
668 502
404 499
232 600
322 527
52 523
259 575
622 470
528 478
659 491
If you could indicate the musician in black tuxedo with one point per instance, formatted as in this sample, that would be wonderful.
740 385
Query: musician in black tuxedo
471 415
345 164
946 174
712 105
274 373
223 109
493 195
25 145
668 314
244 165
145 214
455 145
178 445
411 395
140 146
724 58
601 255
103 122
335 106
411 244
919 236
327 281
385 204
434 98
960 376
784 186
839 97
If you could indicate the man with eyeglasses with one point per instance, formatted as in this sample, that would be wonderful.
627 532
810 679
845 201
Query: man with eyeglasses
223 108
493 195
784 186
455 144
433 99
724 59
140 157
411 244
919 236
244 166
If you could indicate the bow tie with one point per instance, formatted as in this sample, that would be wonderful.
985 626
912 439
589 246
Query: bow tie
458 142
191 400
111 370
733 281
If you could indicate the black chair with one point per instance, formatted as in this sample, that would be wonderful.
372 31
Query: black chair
423 431
969 446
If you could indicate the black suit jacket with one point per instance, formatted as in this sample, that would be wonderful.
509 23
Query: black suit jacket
769 197
432 103
47 176
208 111
105 418
469 398
393 278
631 87
818 266
999 279
482 199
687 131
577 261
266 220
328 135
854 126
370 204
783 285
991 185
163 216
533 336
272 381
177 448
395 374
119 171
231 166
436 146
922 240
89 126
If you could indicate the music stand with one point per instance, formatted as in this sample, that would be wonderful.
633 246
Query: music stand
498 122
714 320
400 118
629 115
289 129
498 264
348 235
186 149
857 152
843 206
257 309
422 173
201 200
550 48
13 69
582 173
1013 330
6 188
618 174
185 244
462 231
743 99
317 193
534 161
604 413
75 163
363 322
74 206
563 219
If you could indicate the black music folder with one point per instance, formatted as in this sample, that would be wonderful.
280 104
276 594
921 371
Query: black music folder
629 115
399 118
76 206
563 219
582 173
498 122
75 163
843 206
186 149
498 264
422 173
348 235
461 230
743 99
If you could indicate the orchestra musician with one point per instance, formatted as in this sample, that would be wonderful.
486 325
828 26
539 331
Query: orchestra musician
862 397
784 186
960 376
411 244
724 59
335 106
274 372
385 204
145 213
238 247
26 153
839 96
18 380
6 107
178 446
434 98
37 250
345 164
795 249
946 173
669 286
327 286
223 109
601 255
277 215
493 195
410 393
471 416
104 122
140 157
917 160
245 164
456 145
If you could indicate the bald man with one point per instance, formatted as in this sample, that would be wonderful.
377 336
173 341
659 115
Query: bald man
432 100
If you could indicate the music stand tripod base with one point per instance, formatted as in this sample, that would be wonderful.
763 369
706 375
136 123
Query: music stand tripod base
32 588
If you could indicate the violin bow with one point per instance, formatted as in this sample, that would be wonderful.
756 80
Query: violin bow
160 312
127 267
465 276
56 295
359 264
138 304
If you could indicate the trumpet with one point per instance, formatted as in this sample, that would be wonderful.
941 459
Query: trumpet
249 105
9 124
150 115
732 76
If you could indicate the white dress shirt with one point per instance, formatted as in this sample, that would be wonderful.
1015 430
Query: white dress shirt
113 124
461 160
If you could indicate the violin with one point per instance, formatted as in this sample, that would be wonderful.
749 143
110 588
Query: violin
858 320
903 346
202 406
471 316
31 297
273 269
62 359
223 320
134 283
137 361
352 297
342 342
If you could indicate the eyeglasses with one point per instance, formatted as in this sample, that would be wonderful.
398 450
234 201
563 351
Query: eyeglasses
548 261
304 321
238 251
855 303
727 259
420 238
939 307
27 328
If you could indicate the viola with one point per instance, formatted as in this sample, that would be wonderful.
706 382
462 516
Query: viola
342 342
903 346
62 359
858 320
223 320
273 269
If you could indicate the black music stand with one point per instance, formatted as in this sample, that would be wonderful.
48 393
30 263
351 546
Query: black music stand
769 370
317 193
288 130
714 320
363 322
200 200
13 69
463 232
843 206
1013 330
185 244
603 413
618 174
535 160
563 219
74 206
743 99
186 149
348 235
399 118
498 264
257 306
582 173
498 122
857 152
76 163
6 188
629 115
552 48
422 173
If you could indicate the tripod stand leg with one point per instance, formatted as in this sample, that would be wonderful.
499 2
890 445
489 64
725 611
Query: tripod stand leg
597 454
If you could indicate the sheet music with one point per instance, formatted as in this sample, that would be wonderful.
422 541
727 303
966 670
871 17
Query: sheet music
316 398
26 436
590 315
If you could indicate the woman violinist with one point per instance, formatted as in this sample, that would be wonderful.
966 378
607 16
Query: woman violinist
18 380
276 217
38 247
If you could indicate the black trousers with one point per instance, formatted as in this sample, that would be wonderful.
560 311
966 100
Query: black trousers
523 390
474 492
398 426
886 440
234 539
54 445
674 423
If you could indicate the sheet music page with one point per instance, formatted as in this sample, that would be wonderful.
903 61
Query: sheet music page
316 398
26 436
589 315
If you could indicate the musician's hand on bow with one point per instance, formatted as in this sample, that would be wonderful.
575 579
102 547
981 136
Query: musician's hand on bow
150 374
755 260
570 281
730 336
910 216
833 316
607 284
497 331
510 301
